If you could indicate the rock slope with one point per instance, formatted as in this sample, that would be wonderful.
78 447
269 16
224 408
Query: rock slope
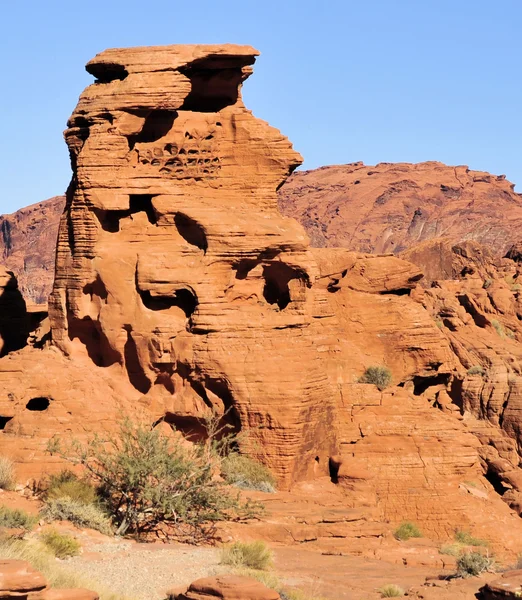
28 246
392 207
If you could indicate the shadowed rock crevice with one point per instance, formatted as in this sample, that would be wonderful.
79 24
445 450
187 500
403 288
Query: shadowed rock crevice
421 384
183 298
110 220
107 72
135 371
91 335
156 125
191 231
277 276
4 421
214 82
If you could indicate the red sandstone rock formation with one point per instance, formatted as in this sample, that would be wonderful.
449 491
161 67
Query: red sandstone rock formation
180 289
421 209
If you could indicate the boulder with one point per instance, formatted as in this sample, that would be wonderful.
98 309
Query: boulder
18 579
228 587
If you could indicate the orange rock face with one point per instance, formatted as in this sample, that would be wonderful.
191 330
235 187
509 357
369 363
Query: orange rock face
180 290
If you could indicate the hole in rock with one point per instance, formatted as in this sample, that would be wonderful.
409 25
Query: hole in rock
135 371
38 404
157 124
107 72
214 83
4 421
191 231
90 334
333 468
110 219
96 288
496 482
421 384
277 276
182 298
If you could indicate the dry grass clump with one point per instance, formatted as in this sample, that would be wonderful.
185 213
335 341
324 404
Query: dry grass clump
7 474
476 370
390 590
247 473
407 530
465 537
253 555
60 544
66 484
377 375
472 564
58 576
82 515
15 518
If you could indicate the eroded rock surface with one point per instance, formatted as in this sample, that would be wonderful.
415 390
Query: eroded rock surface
390 207
180 290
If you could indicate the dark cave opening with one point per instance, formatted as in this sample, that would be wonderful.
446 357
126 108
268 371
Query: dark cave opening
421 384
157 124
4 421
183 298
135 371
191 231
38 404
214 83
277 277
333 469
110 219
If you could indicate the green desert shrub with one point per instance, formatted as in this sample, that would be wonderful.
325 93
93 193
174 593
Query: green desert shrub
476 370
465 538
16 518
7 475
253 555
245 472
391 590
147 479
487 283
66 484
407 530
60 544
377 375
472 564
81 515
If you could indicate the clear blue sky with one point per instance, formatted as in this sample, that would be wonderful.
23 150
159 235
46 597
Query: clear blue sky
386 80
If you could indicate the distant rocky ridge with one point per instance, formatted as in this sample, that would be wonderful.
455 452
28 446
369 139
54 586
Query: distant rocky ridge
28 245
397 208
